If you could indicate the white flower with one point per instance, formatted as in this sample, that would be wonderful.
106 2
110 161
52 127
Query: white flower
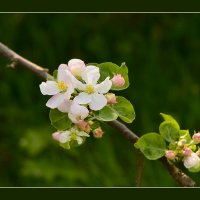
192 161
72 134
92 92
77 112
61 89
76 67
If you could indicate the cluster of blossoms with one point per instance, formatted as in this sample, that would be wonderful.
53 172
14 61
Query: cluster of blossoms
77 91
187 151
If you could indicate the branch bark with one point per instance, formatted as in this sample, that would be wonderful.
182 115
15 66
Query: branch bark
16 59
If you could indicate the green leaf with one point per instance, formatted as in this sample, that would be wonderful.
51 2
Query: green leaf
124 109
59 120
184 134
152 145
55 74
110 69
72 144
50 78
194 170
169 118
106 114
169 130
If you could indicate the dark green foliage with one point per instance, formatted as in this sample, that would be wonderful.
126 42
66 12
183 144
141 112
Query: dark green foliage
161 52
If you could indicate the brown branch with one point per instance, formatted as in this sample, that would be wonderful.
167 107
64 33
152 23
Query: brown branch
16 59
19 60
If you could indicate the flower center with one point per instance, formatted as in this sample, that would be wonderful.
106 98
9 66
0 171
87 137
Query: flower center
89 89
61 86
73 136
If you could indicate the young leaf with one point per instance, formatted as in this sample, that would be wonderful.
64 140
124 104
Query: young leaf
107 114
124 109
110 69
169 118
184 134
169 130
59 120
152 145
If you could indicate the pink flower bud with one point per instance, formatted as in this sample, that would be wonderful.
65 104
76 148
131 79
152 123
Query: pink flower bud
187 152
170 155
98 133
76 66
111 98
84 126
196 138
118 80
56 136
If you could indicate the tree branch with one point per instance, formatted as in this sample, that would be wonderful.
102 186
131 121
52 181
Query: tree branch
16 59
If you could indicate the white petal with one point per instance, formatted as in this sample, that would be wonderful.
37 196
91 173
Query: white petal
55 100
62 75
65 106
98 101
72 117
104 86
79 140
91 75
64 137
82 133
69 91
49 88
75 83
82 98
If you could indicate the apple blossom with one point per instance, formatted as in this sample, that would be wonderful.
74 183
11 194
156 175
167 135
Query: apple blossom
61 89
118 80
77 112
192 161
92 92
56 135
72 134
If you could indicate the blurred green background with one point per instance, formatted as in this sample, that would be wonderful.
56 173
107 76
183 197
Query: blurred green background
162 52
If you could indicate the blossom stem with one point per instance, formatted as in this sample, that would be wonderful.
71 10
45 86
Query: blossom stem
16 59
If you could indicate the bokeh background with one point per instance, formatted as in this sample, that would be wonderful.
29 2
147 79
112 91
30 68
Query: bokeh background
162 52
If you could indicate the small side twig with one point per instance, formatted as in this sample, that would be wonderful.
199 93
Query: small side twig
139 170
16 59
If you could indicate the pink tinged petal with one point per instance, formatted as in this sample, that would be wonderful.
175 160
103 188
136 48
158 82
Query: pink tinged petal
104 86
82 98
55 100
62 75
79 111
56 136
49 88
98 101
91 75
76 66
65 106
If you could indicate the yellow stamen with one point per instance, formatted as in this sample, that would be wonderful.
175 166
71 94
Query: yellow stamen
89 89
61 86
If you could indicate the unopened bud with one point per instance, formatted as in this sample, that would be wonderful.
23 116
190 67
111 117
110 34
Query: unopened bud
98 133
187 152
111 98
56 136
196 138
170 155
84 126
118 80
76 66
192 161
